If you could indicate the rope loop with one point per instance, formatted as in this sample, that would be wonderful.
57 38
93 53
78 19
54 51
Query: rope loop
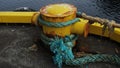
57 24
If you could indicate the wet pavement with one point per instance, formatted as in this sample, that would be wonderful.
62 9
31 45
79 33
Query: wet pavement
15 40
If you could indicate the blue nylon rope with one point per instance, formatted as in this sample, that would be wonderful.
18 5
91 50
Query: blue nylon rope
62 48
57 24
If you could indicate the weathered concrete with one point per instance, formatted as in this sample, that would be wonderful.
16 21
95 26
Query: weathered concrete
15 40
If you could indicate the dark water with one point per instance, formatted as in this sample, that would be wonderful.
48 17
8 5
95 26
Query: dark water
103 8
15 39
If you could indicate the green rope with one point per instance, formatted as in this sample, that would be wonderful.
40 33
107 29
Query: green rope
57 24
114 59
62 48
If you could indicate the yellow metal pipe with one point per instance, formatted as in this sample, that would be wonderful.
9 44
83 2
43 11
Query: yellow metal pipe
79 27
16 17
26 17
96 29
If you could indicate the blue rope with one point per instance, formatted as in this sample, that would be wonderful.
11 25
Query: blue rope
62 48
57 24
61 51
114 59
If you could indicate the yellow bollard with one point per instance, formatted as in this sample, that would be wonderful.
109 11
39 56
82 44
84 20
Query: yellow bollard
61 13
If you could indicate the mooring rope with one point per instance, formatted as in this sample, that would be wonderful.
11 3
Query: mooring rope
57 24
111 24
62 49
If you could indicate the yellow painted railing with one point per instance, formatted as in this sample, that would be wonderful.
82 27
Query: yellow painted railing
25 17
16 17
96 29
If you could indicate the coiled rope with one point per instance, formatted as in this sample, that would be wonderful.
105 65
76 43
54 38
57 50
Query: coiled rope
62 48
57 24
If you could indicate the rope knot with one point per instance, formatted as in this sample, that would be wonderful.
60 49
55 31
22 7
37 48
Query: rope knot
62 48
